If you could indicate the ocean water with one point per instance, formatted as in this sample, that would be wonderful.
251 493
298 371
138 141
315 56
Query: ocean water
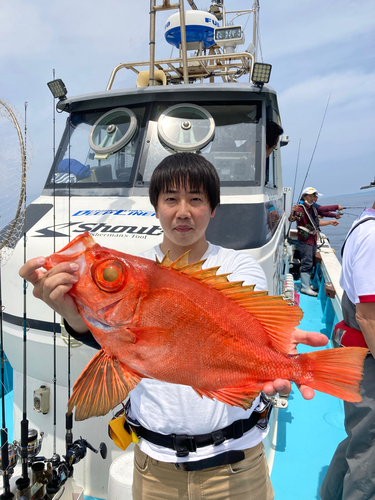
355 204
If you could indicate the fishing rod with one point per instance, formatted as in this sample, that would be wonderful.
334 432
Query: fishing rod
295 176
61 468
294 186
23 482
5 472
316 144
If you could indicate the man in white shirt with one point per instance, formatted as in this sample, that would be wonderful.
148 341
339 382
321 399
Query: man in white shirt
189 446
351 474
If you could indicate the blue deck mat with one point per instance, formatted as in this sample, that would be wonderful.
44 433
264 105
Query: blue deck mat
308 432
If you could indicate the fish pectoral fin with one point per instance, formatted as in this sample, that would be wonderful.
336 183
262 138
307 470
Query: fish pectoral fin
102 385
234 396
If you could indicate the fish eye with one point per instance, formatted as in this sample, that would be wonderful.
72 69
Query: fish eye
109 275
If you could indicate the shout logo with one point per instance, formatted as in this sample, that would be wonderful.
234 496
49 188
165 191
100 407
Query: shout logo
62 230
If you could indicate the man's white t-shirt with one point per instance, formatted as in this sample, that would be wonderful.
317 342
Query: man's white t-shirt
177 409
358 265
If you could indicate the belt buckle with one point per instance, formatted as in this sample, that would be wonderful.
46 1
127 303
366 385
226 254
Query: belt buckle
183 444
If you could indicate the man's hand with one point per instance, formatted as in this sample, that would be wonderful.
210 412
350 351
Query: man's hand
53 286
291 216
334 222
313 339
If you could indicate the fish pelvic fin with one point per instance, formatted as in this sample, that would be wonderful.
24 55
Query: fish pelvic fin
276 316
102 385
337 372
234 396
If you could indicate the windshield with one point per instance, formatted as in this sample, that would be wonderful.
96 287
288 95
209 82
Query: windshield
113 149
227 137
98 149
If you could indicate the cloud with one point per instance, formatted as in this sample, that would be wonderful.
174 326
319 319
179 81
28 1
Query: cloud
294 27
346 89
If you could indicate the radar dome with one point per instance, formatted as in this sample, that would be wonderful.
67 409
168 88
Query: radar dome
200 27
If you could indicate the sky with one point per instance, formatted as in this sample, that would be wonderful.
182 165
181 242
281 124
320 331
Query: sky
322 53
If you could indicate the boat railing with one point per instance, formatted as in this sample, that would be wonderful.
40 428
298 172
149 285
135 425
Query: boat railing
229 66
218 62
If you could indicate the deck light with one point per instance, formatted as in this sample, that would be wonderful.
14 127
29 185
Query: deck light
261 74
58 89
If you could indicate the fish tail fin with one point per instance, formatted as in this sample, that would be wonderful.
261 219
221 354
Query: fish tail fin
102 385
337 371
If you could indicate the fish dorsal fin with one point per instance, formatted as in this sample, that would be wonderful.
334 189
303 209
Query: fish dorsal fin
166 262
276 316
181 262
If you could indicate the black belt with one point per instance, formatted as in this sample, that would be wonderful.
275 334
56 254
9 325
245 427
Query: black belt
228 457
184 444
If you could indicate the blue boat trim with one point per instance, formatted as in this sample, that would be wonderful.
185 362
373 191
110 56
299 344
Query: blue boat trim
308 431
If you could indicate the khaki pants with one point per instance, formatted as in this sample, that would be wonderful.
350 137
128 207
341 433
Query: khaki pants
245 480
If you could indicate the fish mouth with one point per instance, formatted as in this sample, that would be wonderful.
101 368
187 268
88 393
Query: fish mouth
96 323
105 309
99 319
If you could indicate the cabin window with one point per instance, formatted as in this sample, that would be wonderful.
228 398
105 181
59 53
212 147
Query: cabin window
186 127
98 149
234 146
112 131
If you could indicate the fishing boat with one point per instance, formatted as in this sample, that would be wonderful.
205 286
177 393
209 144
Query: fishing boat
213 99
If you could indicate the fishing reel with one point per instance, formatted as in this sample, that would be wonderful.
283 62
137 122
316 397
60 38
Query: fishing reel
34 444
12 461
63 469
78 450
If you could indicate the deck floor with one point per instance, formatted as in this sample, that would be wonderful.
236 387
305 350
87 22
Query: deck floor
308 432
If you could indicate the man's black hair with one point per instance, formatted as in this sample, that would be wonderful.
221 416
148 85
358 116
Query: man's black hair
273 132
185 170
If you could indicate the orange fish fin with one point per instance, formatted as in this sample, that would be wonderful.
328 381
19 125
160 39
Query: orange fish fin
193 268
166 262
214 280
205 273
275 315
102 385
181 262
336 371
234 292
234 396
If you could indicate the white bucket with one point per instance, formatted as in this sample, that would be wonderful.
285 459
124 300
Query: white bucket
121 478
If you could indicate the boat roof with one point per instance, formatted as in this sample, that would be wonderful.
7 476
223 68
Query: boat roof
137 95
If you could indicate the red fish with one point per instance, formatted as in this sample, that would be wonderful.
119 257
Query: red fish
182 324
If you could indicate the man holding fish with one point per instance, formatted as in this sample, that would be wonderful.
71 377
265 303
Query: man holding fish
211 446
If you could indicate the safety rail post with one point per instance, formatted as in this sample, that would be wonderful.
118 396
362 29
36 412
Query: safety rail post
167 6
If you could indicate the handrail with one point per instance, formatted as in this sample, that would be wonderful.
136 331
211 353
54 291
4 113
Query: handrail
234 60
